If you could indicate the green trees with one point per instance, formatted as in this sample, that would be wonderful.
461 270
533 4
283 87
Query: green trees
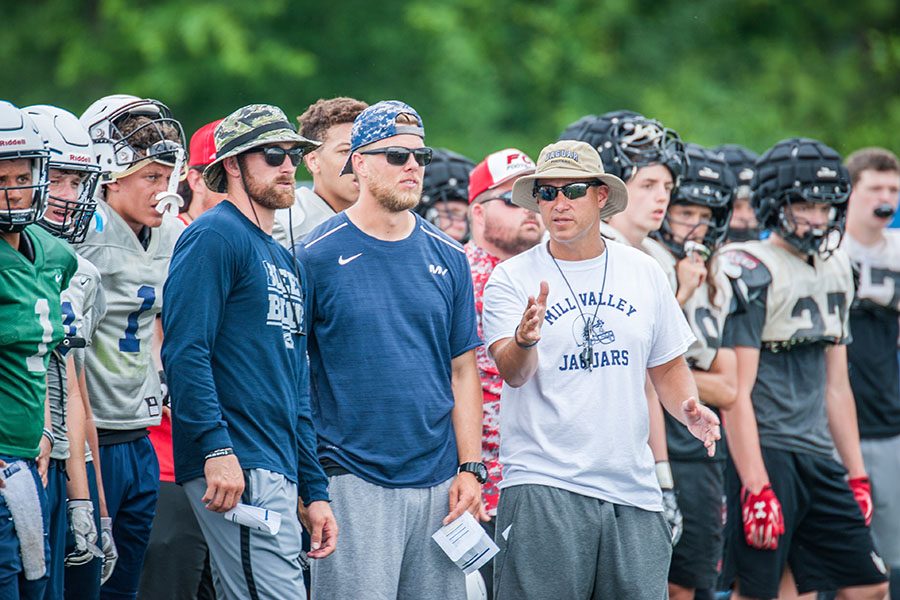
483 74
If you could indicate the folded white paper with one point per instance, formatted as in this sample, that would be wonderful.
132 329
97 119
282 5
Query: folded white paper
261 519
466 543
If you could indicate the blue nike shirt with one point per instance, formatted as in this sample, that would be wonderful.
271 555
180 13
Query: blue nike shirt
386 320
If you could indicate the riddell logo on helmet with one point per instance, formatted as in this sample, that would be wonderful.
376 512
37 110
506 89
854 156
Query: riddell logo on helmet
79 158
708 173
13 142
826 173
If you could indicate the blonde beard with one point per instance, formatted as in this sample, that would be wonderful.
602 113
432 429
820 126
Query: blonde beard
392 199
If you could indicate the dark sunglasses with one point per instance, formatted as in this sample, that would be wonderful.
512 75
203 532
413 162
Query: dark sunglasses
571 191
274 155
398 155
505 198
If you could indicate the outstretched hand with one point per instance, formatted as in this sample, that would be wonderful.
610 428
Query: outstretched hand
528 332
702 423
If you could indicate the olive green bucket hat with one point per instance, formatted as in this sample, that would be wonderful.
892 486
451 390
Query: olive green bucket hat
247 128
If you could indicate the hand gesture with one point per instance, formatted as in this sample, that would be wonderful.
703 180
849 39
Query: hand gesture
528 332
322 528
224 483
691 273
702 423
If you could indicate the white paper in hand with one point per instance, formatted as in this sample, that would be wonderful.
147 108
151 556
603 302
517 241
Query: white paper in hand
261 519
466 543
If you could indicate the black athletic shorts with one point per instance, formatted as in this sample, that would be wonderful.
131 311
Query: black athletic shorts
826 541
695 559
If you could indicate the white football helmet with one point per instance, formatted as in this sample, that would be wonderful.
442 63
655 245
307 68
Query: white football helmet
114 150
70 150
19 138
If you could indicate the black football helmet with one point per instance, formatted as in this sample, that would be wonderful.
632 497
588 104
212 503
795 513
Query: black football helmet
446 179
801 170
627 141
707 182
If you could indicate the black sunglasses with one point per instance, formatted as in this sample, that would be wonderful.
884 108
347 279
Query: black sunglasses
398 155
274 155
571 191
505 198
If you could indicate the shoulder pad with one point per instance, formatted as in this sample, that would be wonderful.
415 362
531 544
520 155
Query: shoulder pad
748 275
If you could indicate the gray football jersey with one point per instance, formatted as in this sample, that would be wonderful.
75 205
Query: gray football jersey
878 269
121 377
76 301
807 302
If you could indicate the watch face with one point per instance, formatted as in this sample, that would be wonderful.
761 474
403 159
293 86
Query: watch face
476 469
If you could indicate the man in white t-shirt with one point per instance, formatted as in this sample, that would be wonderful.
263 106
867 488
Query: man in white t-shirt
574 326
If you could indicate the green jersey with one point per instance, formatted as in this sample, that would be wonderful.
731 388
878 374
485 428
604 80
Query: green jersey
30 327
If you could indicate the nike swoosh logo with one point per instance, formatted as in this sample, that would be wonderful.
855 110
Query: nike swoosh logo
343 261
83 280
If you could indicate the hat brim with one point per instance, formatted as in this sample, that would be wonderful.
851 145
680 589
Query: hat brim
615 203
214 173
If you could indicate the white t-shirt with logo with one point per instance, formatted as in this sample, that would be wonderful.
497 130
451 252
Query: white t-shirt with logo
585 431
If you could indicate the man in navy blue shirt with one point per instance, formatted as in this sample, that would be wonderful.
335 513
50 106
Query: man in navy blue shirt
235 356
395 390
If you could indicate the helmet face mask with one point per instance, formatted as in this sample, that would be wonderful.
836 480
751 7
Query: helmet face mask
127 132
71 155
446 181
20 140
795 171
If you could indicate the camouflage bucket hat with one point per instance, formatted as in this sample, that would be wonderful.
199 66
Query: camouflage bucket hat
247 128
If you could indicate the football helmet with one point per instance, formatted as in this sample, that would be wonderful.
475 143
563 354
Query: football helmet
801 170
707 182
123 142
20 139
70 150
446 179
627 141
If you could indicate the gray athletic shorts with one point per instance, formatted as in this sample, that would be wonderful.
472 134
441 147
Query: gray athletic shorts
384 549
558 544
249 564
882 458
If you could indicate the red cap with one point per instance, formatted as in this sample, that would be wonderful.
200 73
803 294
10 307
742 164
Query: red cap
203 145
498 168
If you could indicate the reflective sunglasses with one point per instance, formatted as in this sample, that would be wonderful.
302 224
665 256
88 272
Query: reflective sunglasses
505 198
398 155
571 191
274 155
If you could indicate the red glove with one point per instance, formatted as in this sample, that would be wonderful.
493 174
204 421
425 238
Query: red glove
862 492
763 519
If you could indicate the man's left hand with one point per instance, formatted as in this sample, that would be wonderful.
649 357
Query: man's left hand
43 459
862 493
702 423
465 495
323 529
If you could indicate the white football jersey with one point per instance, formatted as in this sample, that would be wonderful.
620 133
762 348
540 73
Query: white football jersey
878 268
706 318
122 380
806 302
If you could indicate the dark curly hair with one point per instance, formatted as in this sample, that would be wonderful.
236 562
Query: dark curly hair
324 114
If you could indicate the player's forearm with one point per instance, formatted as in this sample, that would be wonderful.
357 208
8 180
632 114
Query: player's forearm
845 430
93 441
742 436
515 364
674 384
718 386
76 484
467 407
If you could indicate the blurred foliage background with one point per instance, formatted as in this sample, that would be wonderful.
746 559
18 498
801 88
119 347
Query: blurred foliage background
483 74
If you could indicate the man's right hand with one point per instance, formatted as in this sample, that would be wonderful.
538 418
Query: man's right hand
763 519
528 332
224 483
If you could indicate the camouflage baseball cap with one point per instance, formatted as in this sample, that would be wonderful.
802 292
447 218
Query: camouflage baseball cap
378 122
247 128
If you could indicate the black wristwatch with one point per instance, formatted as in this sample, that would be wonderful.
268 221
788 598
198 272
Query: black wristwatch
475 468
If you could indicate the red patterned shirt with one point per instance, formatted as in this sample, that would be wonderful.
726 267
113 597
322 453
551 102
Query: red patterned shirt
482 264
